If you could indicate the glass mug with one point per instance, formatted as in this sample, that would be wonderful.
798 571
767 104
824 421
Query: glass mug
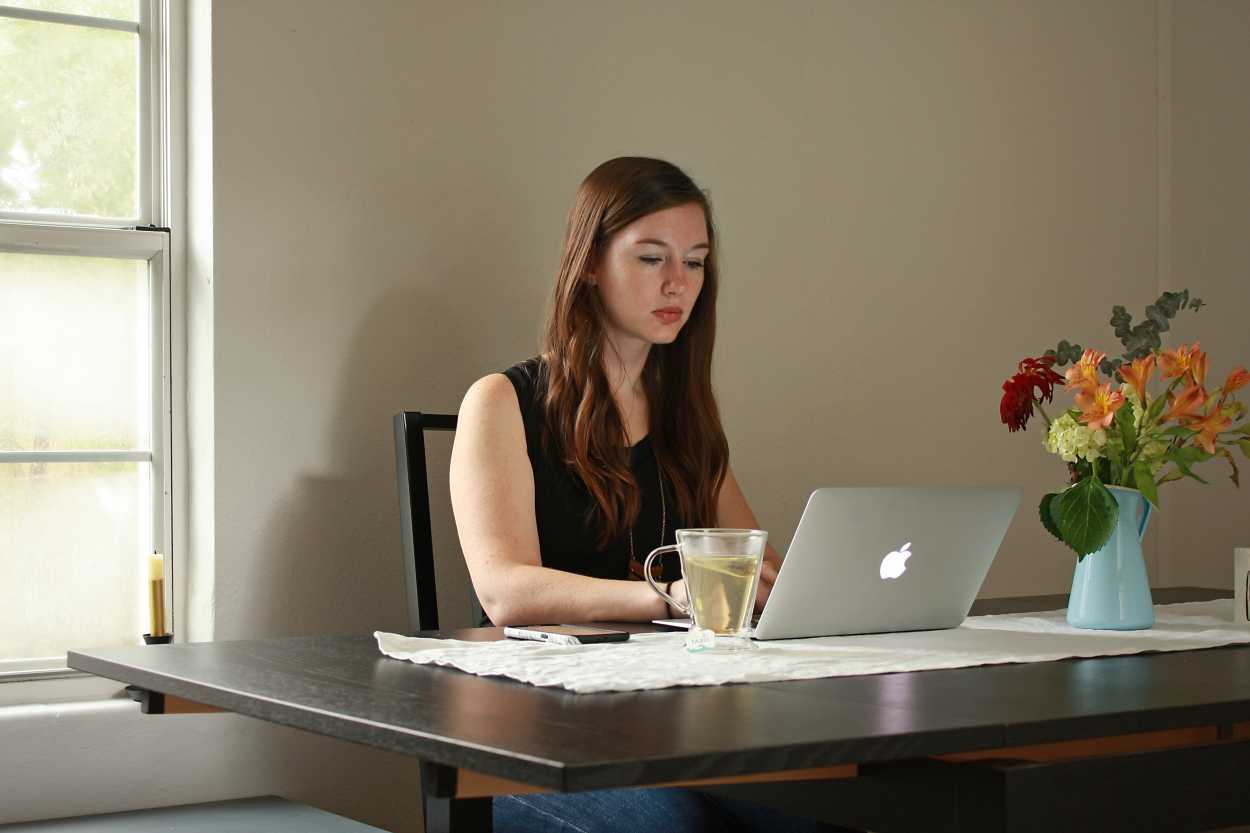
722 571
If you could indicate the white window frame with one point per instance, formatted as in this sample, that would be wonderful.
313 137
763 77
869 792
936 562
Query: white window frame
148 238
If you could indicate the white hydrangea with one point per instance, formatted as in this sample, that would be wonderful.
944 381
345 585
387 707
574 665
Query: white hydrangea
1073 441
1152 453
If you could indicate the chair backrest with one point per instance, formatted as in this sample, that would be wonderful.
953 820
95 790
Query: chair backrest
414 514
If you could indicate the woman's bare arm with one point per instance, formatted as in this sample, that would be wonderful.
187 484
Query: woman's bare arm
732 512
492 496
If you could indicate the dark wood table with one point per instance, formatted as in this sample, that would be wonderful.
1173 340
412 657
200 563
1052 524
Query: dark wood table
1145 742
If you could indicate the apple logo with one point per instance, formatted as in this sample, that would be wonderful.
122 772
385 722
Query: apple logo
895 564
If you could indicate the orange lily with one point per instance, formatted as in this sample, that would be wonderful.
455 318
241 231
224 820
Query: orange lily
1084 374
1186 406
1138 373
1098 405
1208 427
1177 362
1198 366
1238 379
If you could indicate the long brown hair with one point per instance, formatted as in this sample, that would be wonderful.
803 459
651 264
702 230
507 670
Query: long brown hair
583 425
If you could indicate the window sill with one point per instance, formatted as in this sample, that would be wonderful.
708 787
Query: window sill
70 687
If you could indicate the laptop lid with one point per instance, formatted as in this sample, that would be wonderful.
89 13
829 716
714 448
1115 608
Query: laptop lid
887 558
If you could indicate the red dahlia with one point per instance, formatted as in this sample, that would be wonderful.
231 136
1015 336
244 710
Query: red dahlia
1017 404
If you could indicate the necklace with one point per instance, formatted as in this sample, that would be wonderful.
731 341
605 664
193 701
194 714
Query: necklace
663 513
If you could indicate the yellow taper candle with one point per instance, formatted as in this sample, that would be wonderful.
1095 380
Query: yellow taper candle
156 600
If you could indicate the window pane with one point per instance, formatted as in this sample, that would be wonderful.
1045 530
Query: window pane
69 107
75 353
75 540
116 9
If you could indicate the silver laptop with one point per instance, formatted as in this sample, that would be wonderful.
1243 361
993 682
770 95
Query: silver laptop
883 559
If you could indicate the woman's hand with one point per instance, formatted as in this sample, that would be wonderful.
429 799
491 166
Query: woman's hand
733 512
678 591
768 575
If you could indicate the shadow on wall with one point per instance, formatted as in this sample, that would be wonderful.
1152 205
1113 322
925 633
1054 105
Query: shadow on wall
334 540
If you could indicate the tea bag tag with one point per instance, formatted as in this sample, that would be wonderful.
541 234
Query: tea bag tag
700 639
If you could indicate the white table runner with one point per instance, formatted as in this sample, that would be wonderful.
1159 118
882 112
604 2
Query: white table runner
660 660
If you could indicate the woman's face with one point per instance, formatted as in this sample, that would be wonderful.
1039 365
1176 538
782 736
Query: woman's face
650 276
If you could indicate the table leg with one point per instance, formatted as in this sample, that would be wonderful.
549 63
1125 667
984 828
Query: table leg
150 702
443 812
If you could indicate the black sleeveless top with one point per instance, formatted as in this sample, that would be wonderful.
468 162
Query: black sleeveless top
562 501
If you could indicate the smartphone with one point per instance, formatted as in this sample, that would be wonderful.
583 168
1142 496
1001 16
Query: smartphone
566 634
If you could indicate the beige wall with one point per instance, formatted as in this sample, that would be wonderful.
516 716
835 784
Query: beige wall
911 197
1208 239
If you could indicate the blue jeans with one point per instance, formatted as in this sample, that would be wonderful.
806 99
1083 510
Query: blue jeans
667 810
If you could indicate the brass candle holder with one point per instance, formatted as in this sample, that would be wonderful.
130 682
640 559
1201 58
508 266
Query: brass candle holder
156 602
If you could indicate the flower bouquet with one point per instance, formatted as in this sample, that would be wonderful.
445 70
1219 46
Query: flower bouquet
1126 435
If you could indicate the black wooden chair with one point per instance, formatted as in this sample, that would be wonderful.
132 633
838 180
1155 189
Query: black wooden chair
414 515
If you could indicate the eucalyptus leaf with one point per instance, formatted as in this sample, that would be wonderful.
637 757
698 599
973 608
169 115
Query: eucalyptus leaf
1171 302
1136 341
1122 322
1087 513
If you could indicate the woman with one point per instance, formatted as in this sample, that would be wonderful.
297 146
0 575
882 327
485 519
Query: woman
569 468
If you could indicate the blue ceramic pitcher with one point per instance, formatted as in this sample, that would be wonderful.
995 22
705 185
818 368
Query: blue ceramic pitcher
1110 589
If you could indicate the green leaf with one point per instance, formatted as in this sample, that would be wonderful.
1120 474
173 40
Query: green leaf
1228 455
1146 482
1047 510
73 106
1179 431
1186 456
1156 408
1245 447
1054 511
1170 475
1128 434
1087 515
1240 429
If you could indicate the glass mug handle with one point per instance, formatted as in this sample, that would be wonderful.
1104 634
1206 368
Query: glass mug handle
646 571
